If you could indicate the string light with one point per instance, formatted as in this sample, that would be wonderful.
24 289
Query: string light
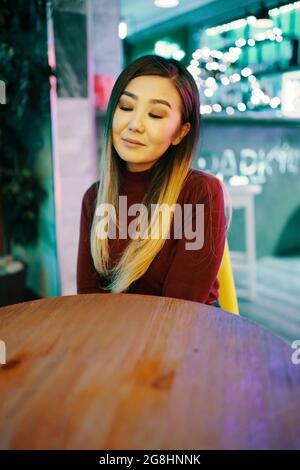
225 81
284 9
251 20
168 49
235 78
240 42
197 54
205 109
266 99
252 79
241 107
216 54
208 92
246 72
178 54
260 37
211 61
242 22
205 52
254 99
262 18
275 102
226 27
211 82
217 107
230 110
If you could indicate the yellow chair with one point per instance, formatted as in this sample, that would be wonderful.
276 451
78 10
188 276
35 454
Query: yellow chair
227 293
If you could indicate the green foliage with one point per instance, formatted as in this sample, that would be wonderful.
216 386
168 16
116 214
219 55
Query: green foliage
25 71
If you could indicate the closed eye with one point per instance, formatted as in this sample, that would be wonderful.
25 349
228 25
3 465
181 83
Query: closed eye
151 115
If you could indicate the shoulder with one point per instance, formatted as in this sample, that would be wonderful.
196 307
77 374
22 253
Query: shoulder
91 193
201 186
89 199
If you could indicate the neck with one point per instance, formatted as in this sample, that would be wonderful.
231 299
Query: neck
137 176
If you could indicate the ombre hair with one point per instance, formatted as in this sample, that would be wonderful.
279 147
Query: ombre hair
167 175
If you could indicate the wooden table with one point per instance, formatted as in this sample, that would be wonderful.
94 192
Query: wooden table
117 371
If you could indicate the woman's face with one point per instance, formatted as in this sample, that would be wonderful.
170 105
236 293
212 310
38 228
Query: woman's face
148 111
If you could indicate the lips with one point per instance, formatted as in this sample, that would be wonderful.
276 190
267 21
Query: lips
131 141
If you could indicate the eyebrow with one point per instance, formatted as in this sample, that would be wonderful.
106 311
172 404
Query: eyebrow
128 93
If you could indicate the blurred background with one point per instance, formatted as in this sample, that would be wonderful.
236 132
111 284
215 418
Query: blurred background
59 60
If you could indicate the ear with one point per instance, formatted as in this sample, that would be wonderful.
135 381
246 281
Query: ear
181 133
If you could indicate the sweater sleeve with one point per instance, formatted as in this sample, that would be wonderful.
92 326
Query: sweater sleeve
88 279
193 272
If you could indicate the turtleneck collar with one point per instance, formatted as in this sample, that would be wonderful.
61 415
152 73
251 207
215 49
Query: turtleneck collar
137 176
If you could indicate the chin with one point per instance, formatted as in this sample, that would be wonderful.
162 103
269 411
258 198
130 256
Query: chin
131 158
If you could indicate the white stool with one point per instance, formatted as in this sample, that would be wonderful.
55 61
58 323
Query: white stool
242 197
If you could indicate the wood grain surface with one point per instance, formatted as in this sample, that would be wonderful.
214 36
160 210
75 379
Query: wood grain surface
117 371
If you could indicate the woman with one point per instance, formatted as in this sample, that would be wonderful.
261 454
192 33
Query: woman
149 139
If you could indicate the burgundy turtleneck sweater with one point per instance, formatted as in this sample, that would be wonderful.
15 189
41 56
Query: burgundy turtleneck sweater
175 271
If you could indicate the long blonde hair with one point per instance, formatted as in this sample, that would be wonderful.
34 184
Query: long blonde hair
168 175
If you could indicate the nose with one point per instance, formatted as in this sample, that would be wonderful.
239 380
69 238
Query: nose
136 122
